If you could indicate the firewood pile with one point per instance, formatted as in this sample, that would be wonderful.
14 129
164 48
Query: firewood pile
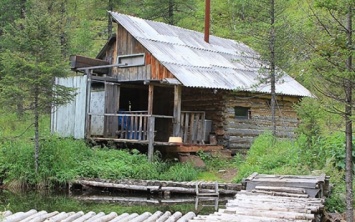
275 198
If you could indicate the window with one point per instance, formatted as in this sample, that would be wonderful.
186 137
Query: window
242 112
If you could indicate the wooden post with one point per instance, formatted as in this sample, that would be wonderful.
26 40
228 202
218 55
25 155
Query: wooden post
112 92
151 127
151 123
150 99
177 110
87 105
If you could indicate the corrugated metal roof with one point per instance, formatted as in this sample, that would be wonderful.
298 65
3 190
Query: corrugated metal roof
219 64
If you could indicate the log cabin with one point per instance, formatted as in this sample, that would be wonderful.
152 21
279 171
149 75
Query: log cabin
153 82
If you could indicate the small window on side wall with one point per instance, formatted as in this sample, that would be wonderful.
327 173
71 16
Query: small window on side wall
242 112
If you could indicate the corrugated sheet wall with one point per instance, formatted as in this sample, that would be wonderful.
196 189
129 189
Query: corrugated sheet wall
69 120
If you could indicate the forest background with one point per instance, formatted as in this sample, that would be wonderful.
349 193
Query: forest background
38 36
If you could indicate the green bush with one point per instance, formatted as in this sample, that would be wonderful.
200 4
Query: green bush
268 155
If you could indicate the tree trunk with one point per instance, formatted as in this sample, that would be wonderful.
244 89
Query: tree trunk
36 124
171 12
272 65
109 21
348 129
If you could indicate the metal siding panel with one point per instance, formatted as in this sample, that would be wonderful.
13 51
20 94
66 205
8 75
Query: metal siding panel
97 108
221 63
68 120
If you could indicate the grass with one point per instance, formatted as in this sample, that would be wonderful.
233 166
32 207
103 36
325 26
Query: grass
64 159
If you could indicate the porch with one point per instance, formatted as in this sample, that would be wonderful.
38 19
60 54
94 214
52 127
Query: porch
139 127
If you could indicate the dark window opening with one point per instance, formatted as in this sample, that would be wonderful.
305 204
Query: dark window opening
242 112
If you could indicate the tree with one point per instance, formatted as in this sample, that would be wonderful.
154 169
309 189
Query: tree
267 25
168 11
333 70
30 61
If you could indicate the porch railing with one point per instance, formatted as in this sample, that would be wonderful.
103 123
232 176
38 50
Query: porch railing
132 125
192 127
135 125
127 125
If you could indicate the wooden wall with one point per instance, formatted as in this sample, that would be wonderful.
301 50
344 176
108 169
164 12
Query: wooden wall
208 100
238 134
242 132
126 44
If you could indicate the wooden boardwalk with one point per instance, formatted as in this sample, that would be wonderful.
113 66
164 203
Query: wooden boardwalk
275 198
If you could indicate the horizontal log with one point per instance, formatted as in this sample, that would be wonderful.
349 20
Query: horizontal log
282 189
240 218
283 194
156 188
289 207
272 214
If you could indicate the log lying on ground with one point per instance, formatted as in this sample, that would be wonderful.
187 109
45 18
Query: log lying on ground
163 186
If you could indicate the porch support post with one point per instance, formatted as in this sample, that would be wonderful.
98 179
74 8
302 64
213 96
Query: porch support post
177 110
151 127
150 99
87 105
151 123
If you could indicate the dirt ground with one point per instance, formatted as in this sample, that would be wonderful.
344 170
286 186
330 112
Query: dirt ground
227 175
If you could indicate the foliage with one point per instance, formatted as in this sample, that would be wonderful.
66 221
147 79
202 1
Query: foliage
266 157
297 158
180 172
171 11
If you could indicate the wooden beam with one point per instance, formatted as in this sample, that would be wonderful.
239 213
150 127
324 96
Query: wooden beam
150 99
77 62
190 148
177 110
151 127
87 105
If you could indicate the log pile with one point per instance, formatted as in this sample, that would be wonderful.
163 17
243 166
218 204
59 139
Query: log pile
264 202
43 216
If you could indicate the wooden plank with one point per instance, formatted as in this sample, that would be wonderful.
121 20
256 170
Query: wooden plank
177 110
78 61
191 128
150 99
192 148
87 105
151 128
282 189
186 127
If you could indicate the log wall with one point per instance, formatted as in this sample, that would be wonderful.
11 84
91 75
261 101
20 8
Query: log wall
207 100
238 134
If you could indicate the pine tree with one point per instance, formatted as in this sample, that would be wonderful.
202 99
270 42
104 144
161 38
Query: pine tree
30 61
265 22
333 72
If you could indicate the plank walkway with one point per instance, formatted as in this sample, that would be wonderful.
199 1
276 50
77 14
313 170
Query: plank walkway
275 198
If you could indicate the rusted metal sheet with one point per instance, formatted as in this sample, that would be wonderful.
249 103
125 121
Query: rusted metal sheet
219 64
69 120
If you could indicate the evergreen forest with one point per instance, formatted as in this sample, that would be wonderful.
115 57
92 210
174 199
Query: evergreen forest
309 39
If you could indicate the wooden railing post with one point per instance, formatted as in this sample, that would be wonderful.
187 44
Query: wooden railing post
151 126
87 105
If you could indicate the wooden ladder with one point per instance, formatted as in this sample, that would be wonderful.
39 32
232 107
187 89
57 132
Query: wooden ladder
198 193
